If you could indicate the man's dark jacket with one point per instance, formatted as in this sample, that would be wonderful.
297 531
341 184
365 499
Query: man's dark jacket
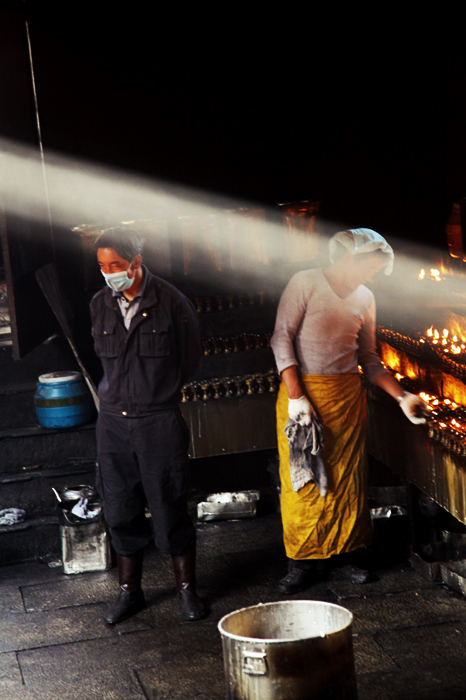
145 366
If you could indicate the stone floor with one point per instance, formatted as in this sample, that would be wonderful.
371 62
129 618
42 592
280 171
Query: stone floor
409 634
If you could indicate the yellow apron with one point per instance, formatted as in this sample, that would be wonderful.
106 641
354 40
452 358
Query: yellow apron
314 527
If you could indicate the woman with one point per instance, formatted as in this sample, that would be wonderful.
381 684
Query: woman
325 328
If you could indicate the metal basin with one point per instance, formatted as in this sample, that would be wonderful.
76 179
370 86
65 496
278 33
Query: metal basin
294 650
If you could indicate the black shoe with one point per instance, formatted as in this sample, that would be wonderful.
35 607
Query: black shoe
191 606
351 573
126 605
295 581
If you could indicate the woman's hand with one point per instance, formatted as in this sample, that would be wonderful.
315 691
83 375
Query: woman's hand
301 410
414 408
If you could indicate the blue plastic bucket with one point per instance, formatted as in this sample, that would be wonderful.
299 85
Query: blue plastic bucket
62 400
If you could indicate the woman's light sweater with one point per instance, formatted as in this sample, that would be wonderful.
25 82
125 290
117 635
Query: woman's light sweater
323 333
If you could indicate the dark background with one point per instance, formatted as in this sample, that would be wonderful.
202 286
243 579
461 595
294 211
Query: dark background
363 111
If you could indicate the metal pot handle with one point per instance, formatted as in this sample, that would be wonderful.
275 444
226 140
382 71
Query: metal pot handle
254 662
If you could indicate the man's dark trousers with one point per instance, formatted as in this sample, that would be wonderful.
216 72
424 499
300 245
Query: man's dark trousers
144 460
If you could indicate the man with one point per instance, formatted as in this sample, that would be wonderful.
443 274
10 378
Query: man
146 334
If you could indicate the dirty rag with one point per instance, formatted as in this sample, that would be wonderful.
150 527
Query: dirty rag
12 516
81 510
306 463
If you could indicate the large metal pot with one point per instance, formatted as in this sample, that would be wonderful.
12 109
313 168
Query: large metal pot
296 650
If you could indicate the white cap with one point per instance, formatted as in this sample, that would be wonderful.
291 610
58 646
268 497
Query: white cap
362 240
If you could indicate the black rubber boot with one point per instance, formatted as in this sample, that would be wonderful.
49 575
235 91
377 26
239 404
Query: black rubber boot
351 573
298 578
131 599
184 567
295 581
351 567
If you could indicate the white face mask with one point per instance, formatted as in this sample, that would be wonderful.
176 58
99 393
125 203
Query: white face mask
118 281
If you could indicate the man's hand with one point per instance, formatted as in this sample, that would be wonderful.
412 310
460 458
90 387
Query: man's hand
414 408
301 411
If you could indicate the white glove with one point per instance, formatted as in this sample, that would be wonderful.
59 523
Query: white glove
413 407
301 411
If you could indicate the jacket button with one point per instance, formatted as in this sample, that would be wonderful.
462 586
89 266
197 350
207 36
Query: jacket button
123 413
144 314
154 331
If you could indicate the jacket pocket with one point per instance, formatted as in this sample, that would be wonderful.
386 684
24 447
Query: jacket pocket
154 339
105 341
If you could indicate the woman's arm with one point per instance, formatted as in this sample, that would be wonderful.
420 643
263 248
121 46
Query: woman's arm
292 383
390 385
300 408
290 313
414 408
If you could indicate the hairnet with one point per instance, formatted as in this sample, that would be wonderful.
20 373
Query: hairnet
362 240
